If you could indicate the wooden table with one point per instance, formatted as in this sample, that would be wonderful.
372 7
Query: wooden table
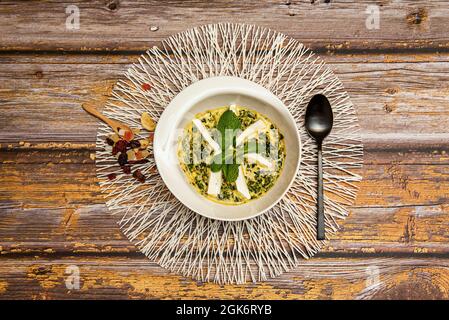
395 243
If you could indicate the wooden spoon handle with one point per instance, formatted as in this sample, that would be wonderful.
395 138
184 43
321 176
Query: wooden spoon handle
93 111
117 126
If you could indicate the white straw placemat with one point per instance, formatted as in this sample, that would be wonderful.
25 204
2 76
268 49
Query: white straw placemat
232 252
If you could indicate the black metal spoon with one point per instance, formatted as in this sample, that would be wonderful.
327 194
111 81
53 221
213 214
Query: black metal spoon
319 121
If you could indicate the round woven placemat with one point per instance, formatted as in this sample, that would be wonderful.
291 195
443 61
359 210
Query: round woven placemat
231 252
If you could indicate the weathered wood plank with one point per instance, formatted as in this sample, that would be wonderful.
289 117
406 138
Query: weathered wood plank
389 184
403 200
420 229
318 278
394 113
125 25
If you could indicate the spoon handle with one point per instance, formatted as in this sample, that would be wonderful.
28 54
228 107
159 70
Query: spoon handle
320 211
93 111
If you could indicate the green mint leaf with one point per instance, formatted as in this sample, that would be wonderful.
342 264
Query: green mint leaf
231 172
227 125
224 168
215 167
227 139
228 120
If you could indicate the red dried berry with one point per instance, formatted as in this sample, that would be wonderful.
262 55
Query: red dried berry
112 176
139 176
126 169
146 86
122 159
120 146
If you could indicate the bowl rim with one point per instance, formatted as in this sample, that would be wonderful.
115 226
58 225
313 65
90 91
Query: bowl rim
233 85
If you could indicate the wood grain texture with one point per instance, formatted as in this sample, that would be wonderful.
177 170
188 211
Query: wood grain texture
126 25
399 99
104 277
404 205
394 244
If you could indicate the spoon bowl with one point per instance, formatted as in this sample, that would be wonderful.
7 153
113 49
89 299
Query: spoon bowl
319 117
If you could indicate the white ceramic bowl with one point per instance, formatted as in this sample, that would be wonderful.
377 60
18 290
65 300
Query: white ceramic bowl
211 93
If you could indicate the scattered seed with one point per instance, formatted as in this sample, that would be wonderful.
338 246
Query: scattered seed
154 28
92 156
